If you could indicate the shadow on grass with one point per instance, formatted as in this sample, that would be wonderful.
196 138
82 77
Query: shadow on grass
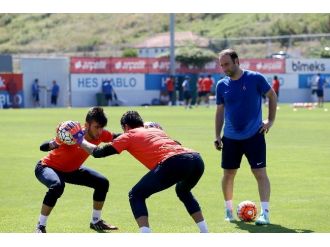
272 228
103 231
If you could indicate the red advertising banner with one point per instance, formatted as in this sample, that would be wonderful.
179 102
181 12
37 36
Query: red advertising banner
265 66
162 65
11 90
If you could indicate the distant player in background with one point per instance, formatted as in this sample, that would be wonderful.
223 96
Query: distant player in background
200 90
54 93
207 86
107 90
187 95
320 90
170 87
239 109
35 93
314 86
169 164
64 164
276 86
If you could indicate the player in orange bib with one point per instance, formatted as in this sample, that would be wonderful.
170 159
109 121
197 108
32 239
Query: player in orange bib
64 164
207 86
169 164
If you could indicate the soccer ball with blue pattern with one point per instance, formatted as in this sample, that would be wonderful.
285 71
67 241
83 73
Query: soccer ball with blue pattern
64 135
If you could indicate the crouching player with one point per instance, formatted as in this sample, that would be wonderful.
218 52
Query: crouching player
64 164
169 164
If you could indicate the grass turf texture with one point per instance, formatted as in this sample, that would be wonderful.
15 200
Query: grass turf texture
298 166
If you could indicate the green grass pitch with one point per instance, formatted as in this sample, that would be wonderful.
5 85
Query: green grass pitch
298 158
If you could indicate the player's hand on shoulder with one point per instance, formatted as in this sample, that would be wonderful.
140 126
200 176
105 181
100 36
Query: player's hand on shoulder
156 125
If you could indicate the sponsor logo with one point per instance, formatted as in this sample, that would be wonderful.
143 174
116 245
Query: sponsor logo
315 66
90 65
2 83
87 82
123 82
161 65
10 100
269 66
131 65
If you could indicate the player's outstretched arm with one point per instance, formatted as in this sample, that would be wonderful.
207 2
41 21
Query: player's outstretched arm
87 146
115 135
98 152
106 150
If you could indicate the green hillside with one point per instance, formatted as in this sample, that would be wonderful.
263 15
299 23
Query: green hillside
106 34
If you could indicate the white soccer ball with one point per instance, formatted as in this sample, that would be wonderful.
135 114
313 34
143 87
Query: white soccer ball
65 135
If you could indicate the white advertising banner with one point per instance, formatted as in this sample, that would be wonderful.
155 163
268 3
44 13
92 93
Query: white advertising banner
93 82
307 66
286 80
130 89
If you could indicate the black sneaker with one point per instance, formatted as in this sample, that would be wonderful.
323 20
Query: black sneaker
101 225
40 229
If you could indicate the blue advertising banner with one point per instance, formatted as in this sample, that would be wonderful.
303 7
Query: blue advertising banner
155 81
306 80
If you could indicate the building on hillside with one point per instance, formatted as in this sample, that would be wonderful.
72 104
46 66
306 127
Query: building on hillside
160 43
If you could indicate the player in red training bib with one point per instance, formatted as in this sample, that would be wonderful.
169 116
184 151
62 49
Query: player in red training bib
169 164
64 164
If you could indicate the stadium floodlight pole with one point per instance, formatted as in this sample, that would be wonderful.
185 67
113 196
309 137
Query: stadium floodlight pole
172 44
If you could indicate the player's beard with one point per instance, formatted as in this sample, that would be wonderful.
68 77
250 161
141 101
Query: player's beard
91 135
229 73
232 72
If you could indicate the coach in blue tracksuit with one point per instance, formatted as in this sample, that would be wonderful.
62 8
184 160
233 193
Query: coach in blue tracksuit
239 109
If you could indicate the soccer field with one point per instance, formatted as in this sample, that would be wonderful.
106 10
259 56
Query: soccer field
298 159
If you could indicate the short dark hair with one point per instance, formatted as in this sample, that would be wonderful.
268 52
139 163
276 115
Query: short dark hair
232 53
97 114
132 119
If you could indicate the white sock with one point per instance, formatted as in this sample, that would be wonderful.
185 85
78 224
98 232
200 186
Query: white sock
96 216
42 220
229 204
265 207
145 229
202 226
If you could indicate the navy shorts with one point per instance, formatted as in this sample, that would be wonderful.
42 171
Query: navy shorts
184 170
319 93
254 149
